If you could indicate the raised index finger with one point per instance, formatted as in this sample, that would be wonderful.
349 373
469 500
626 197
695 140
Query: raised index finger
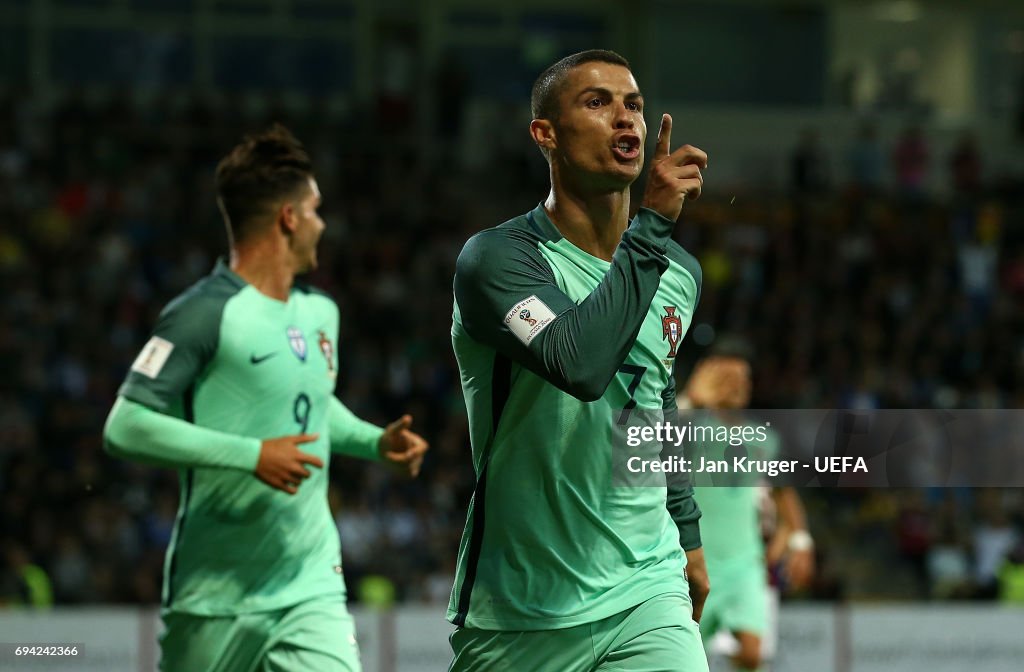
664 137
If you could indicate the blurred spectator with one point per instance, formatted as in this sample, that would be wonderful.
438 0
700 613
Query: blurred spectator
71 569
360 534
910 158
994 538
965 166
914 537
809 165
452 91
949 565
866 160
1011 576
376 591
23 583
396 76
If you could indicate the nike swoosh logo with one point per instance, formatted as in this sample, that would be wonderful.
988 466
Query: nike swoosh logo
253 359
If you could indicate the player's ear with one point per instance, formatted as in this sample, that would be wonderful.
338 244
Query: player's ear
543 133
287 217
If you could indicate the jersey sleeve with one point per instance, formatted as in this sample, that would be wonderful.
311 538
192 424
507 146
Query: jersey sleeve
350 435
136 432
143 425
183 343
691 265
508 299
682 505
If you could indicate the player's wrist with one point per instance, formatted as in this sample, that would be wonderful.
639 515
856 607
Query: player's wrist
653 226
800 540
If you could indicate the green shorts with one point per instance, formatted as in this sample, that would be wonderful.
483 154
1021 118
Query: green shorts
738 601
658 635
315 635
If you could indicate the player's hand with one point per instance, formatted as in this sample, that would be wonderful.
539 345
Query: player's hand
700 584
799 569
403 447
674 176
282 465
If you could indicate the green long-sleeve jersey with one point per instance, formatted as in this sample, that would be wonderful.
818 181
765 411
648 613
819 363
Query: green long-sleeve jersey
731 513
552 343
226 368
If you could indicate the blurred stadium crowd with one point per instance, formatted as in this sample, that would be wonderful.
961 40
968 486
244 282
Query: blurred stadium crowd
856 289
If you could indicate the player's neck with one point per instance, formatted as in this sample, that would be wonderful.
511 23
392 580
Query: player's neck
594 222
265 267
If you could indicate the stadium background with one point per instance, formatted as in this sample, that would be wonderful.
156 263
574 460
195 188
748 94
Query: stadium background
861 226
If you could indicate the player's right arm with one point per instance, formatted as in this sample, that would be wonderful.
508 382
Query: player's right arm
137 432
575 347
140 427
502 283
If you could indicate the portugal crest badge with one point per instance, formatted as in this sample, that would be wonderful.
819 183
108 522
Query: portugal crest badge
671 329
298 342
327 348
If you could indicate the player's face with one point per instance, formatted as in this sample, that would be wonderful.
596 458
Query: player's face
309 227
736 383
601 130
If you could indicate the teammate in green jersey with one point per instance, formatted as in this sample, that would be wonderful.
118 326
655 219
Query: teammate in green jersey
563 317
235 389
736 615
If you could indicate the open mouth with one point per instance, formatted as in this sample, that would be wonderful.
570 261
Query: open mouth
626 147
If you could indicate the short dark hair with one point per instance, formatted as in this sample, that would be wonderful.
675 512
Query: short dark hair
547 88
260 171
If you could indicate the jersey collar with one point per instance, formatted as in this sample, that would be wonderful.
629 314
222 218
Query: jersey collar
221 268
542 224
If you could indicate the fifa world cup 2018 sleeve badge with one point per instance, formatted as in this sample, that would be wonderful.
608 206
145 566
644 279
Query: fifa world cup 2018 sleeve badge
327 348
671 329
524 315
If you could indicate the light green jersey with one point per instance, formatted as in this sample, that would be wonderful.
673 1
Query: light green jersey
731 529
552 343
226 357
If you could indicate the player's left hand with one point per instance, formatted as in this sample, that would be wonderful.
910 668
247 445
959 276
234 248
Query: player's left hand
700 584
402 447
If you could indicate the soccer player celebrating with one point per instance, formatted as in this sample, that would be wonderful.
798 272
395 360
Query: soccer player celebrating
562 316
736 616
253 573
